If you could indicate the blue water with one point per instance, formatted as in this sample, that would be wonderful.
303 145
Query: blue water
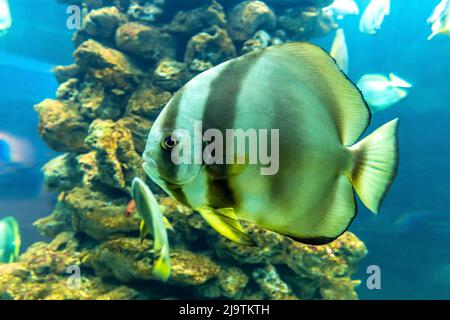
409 240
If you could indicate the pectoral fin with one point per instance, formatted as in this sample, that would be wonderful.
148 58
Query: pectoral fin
229 227
144 231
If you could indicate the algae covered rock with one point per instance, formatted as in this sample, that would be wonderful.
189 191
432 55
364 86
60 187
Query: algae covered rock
108 66
102 22
249 16
61 127
209 48
145 41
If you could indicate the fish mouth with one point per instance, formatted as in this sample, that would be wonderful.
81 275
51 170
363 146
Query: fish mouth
151 169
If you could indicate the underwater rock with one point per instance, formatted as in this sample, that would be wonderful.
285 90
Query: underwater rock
107 66
147 12
198 19
64 73
272 285
102 23
61 127
249 16
59 174
230 283
303 23
208 49
116 155
59 221
304 3
99 215
128 259
145 41
171 75
139 128
147 101
96 101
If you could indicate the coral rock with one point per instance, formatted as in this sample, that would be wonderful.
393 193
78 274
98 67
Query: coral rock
61 127
208 49
59 173
198 19
171 75
145 41
115 153
102 23
108 66
147 101
248 17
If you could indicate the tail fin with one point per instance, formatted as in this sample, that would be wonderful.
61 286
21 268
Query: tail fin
399 82
376 165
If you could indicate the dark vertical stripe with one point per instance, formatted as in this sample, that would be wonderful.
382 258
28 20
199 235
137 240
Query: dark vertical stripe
219 113
169 125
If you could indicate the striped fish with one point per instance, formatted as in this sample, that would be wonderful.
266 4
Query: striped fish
298 89
9 240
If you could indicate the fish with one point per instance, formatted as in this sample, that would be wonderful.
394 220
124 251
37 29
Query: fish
374 15
382 92
5 16
315 116
440 20
15 153
342 8
152 223
339 50
9 240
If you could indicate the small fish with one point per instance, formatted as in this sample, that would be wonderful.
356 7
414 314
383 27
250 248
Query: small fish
381 92
342 8
15 153
440 20
9 240
318 115
373 16
5 16
339 50
153 223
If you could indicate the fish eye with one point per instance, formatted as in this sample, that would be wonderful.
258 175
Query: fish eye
169 143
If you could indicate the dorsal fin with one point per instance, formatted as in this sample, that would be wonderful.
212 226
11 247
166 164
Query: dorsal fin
318 71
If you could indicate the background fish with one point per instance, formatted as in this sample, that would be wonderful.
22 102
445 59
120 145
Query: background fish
373 16
440 19
5 16
381 92
339 50
320 115
342 8
9 240
153 223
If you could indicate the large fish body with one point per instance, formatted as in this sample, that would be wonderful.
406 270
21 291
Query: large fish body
9 240
373 16
299 90
382 92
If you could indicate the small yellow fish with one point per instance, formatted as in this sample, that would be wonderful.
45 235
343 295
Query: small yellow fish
153 223
374 15
339 50
440 20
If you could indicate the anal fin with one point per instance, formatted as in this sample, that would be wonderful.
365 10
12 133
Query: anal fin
331 218
227 226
